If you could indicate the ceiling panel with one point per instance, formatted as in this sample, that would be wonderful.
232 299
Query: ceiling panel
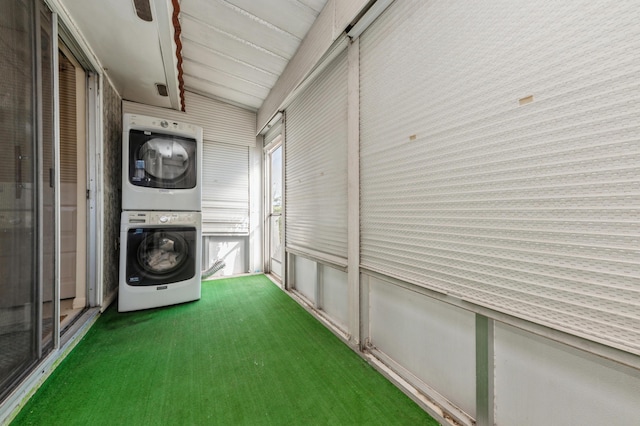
197 53
316 5
232 50
296 21
235 50
222 78
226 18
216 91
233 47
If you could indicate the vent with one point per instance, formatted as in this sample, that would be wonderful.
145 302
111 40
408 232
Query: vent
162 89
143 10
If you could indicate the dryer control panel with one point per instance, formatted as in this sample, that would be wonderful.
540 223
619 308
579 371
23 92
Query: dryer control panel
151 123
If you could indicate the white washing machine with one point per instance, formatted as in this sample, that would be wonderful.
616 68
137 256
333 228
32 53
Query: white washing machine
161 164
160 259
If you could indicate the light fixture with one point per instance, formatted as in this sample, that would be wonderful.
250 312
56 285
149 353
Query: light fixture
162 89
143 10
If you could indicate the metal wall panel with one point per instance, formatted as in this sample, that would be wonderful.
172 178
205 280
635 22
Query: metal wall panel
334 296
499 158
316 164
225 193
220 122
539 381
305 279
433 340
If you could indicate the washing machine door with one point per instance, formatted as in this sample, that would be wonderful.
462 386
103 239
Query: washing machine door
159 160
157 256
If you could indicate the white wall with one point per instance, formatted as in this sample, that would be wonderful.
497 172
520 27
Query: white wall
432 340
334 295
539 381
305 278
324 288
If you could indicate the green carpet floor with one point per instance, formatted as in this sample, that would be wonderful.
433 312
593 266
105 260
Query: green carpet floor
245 354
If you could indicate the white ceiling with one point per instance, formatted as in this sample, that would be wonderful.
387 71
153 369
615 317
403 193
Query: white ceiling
232 50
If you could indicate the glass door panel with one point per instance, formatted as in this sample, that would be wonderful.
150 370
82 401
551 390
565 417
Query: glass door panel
275 211
18 257
46 192
26 195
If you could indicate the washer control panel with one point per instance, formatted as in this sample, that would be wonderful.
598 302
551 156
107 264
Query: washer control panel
162 218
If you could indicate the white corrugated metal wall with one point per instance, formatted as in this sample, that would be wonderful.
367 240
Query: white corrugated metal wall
499 174
316 164
316 191
503 170
220 122
225 193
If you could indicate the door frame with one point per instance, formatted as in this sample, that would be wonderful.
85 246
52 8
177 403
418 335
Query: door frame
93 155
277 142
82 188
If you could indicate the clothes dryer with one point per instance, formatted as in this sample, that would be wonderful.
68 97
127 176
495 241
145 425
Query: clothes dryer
161 164
160 259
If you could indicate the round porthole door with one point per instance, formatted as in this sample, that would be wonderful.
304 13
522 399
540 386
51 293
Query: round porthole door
163 253
160 256
159 160
164 158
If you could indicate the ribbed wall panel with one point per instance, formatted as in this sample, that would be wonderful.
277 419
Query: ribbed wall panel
500 153
225 194
316 164
220 122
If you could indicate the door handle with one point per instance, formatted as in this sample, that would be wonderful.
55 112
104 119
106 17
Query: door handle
18 171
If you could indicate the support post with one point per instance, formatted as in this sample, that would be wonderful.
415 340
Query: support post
484 371
353 190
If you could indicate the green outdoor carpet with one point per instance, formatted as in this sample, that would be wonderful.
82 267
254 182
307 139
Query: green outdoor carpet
245 354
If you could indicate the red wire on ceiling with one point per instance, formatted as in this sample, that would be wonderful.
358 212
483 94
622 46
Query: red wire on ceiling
177 32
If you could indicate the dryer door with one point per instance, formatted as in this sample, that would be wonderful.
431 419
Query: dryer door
159 160
161 255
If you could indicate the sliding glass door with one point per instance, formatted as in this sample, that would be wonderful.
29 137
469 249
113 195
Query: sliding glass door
26 188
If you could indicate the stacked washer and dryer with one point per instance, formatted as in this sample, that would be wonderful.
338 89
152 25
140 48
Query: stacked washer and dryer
160 230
